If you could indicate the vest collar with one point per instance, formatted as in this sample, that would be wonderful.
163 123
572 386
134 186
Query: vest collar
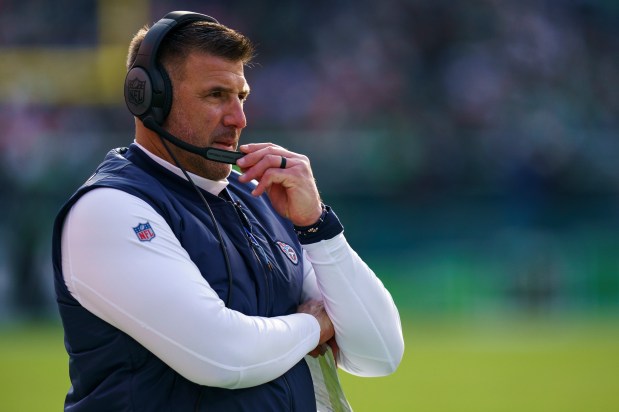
214 187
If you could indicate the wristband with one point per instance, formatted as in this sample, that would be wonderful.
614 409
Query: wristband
327 227
311 229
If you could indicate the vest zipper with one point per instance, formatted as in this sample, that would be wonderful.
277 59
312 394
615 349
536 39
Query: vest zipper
199 401
289 392
256 248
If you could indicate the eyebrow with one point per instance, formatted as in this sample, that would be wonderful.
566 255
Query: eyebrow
244 91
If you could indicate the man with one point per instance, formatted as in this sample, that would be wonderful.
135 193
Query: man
183 285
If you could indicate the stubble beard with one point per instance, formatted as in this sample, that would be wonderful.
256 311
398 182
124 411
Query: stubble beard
197 164
207 168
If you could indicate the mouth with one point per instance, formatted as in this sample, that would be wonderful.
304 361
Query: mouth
225 141
225 145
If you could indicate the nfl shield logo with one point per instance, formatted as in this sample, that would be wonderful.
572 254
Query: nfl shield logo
144 232
136 91
288 251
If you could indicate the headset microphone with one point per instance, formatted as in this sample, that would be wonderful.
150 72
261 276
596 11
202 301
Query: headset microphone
210 153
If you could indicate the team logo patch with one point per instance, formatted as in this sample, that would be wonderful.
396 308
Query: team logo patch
136 91
288 251
144 232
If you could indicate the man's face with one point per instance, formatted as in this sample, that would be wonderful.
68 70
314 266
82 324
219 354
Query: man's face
207 110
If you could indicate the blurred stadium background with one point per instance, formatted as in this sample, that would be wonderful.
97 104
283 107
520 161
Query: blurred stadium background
470 147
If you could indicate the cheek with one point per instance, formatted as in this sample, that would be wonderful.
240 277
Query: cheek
193 121
176 123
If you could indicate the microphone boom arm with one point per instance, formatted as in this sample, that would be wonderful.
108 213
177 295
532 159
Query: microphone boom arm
210 153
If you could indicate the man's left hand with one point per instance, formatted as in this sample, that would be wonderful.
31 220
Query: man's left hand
292 190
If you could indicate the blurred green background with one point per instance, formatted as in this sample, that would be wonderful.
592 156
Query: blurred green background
498 363
469 147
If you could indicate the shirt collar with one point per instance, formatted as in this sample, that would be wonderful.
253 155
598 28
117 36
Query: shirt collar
214 187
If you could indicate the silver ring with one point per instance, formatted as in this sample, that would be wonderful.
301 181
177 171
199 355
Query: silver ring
282 165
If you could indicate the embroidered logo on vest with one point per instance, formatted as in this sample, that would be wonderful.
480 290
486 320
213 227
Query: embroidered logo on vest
288 251
144 232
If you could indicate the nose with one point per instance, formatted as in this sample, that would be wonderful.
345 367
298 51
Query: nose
235 115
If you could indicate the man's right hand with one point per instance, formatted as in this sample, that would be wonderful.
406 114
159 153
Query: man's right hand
316 308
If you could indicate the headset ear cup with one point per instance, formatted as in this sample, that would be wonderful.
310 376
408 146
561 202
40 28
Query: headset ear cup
138 91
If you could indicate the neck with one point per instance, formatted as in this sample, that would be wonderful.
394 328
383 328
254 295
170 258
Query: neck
151 142
212 186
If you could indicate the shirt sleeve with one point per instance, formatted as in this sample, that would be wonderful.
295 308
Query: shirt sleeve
367 324
152 291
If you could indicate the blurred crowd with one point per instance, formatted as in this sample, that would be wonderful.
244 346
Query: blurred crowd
504 112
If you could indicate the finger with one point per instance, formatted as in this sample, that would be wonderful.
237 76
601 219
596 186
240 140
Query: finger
266 162
255 151
334 348
264 183
268 172
252 147
254 165
319 350
258 151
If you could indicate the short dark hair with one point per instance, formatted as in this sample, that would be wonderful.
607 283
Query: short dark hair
198 36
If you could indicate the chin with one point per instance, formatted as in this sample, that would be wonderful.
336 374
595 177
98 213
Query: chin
218 171
209 169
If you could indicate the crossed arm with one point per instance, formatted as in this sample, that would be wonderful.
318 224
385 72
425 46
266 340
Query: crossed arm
159 297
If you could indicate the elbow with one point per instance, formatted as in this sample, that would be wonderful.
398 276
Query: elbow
391 364
373 367
398 354
381 369
395 353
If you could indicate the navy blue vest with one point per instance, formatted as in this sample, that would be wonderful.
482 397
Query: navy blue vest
112 372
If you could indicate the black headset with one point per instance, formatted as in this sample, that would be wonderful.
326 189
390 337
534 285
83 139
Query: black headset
148 89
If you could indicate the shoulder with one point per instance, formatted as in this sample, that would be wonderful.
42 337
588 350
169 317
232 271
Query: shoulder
108 200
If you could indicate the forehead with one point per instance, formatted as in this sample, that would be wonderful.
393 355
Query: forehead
201 68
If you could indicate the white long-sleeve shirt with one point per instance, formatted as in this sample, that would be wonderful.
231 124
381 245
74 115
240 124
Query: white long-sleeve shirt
154 292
